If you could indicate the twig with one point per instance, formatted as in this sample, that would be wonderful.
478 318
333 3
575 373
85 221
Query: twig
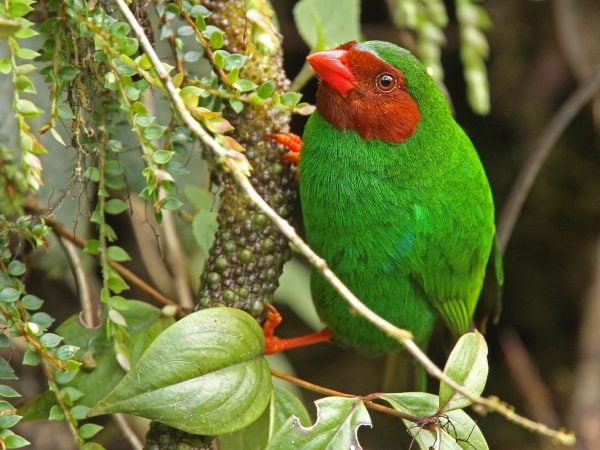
237 164
585 408
127 431
326 391
539 153
89 314
61 230
526 376
175 257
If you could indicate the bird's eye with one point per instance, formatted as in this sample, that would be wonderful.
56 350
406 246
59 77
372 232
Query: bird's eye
386 82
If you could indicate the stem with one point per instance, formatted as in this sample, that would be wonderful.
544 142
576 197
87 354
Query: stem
326 391
238 166
539 154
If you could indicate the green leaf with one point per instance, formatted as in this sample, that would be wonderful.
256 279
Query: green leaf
43 319
170 203
80 412
323 23
68 73
50 340
117 253
5 65
18 9
266 89
65 352
243 85
31 302
9 295
205 374
204 227
215 36
16 268
9 420
234 61
89 430
153 132
7 391
236 105
27 53
5 341
15 441
115 206
338 421
162 156
31 358
468 366
6 372
28 108
282 406
56 413
456 429
290 99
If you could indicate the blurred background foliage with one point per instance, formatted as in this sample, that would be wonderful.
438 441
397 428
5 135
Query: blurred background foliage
539 51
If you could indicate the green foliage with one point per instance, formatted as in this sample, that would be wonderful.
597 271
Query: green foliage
205 375
108 109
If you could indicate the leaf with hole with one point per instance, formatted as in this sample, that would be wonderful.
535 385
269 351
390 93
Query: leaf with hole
338 421
205 374
283 405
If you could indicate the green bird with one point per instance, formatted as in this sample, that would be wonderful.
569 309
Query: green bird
394 198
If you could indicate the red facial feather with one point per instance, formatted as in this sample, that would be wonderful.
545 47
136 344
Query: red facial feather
373 110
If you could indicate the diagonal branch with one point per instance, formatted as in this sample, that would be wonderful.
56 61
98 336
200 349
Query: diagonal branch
539 153
238 166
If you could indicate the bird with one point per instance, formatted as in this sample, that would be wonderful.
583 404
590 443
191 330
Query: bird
394 197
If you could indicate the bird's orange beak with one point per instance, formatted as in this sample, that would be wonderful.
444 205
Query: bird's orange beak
332 68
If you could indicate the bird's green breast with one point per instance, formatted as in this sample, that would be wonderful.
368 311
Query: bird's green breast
408 227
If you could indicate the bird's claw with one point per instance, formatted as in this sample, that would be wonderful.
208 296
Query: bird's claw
291 141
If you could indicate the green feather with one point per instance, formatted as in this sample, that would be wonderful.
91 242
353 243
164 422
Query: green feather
407 226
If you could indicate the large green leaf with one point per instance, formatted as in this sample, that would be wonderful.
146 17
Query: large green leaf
205 374
468 366
101 371
326 23
338 420
283 405
453 430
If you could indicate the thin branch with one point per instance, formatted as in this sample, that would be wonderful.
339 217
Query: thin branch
61 230
326 391
127 431
175 257
237 164
526 376
539 153
89 313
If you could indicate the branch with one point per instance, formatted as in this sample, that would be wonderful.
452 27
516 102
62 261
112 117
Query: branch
127 431
62 231
326 391
238 166
539 153
89 313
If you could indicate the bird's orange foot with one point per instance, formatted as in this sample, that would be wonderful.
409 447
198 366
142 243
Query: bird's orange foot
273 344
292 142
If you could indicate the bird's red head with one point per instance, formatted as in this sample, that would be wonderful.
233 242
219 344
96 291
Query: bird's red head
362 92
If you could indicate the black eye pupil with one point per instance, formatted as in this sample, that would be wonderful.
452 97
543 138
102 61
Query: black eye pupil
386 81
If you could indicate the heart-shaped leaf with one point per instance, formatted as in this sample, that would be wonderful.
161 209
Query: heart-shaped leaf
468 366
338 420
205 374
453 430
